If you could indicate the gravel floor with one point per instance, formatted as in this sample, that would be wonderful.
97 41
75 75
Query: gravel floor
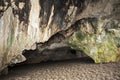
79 69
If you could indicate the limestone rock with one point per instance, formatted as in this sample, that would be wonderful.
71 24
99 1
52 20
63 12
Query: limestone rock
100 42
27 24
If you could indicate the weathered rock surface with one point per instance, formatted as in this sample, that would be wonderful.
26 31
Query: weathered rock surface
45 24
100 42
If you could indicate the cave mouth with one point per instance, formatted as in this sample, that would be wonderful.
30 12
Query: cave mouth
21 69
61 62
54 56
83 60
57 54
81 68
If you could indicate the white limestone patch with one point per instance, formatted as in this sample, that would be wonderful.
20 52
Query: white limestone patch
21 5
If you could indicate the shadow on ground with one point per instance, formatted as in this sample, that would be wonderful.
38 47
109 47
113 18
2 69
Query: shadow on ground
75 69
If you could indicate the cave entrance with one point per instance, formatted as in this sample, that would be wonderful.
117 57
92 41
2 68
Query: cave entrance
57 54
72 69
60 64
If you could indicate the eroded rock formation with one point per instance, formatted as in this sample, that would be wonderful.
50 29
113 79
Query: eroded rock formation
47 24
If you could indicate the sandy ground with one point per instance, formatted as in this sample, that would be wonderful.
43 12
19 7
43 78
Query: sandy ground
79 69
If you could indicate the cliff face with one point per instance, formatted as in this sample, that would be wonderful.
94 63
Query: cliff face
31 24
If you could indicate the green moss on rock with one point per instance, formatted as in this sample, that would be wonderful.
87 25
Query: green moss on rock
101 45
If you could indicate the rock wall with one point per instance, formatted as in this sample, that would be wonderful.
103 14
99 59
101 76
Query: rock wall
25 23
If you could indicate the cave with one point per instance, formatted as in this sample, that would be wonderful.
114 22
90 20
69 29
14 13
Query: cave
59 39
